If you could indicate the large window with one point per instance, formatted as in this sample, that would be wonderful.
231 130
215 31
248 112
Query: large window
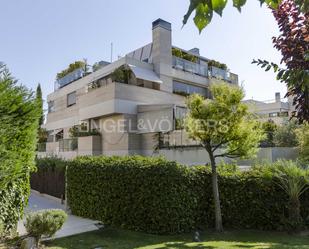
71 99
186 89
51 106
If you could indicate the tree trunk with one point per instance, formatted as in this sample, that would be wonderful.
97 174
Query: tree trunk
215 190
295 218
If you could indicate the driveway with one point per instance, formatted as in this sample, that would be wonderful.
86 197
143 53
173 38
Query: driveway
73 225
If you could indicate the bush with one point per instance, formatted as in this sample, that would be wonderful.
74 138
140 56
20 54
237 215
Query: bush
143 194
157 196
303 138
49 177
13 199
45 223
285 135
19 118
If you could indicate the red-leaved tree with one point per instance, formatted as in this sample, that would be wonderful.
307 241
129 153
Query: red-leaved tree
293 43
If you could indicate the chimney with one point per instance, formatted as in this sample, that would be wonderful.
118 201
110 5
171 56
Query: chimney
277 97
162 52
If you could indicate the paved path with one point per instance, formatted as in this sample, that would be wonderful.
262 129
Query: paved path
73 225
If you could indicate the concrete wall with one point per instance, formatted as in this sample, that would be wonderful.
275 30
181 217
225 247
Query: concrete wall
198 156
90 145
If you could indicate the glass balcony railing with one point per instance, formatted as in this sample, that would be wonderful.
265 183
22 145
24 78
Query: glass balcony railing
218 73
233 78
41 147
189 66
75 75
66 145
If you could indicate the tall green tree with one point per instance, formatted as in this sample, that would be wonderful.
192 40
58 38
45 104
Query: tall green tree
19 119
225 128
39 99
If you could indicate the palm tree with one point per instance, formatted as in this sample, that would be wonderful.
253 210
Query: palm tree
294 181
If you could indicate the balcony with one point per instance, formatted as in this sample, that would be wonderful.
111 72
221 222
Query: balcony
218 73
190 67
69 78
66 145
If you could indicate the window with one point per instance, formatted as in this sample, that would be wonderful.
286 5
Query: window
186 89
273 114
284 114
51 106
71 99
179 116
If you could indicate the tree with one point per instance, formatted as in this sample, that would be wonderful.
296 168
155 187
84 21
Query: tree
302 134
223 122
204 9
293 43
39 99
18 128
293 20
269 128
19 119
285 135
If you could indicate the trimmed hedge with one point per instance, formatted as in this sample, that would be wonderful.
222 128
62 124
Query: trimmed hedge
143 194
49 177
159 196
19 120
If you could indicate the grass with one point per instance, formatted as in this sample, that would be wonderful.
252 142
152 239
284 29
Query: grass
121 239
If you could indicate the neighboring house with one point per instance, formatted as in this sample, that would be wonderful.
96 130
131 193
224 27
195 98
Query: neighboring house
276 110
136 103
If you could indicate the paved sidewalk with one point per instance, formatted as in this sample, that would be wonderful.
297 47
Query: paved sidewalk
73 225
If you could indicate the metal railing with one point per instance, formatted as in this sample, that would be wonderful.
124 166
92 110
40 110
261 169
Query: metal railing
66 145
189 66
41 147
174 139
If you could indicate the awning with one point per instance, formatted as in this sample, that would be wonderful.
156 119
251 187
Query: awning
145 74
55 132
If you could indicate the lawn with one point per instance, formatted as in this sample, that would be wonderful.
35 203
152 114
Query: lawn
120 239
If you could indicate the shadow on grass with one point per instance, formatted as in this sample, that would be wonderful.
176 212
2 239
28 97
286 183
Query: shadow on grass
121 239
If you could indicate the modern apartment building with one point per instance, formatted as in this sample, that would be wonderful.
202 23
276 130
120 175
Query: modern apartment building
279 110
130 106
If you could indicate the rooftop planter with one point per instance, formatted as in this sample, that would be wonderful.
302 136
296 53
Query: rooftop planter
71 68
184 55
122 74
79 131
213 63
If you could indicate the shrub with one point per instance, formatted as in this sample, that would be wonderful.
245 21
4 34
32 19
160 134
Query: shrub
285 135
19 118
303 138
143 194
45 223
294 181
270 129
13 199
157 196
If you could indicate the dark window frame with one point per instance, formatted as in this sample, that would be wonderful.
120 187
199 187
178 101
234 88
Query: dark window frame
68 96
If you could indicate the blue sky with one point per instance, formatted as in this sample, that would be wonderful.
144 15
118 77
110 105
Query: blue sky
41 37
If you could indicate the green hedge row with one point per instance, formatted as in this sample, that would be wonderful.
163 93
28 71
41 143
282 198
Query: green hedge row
159 196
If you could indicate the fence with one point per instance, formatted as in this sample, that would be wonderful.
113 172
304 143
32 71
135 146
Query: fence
49 181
